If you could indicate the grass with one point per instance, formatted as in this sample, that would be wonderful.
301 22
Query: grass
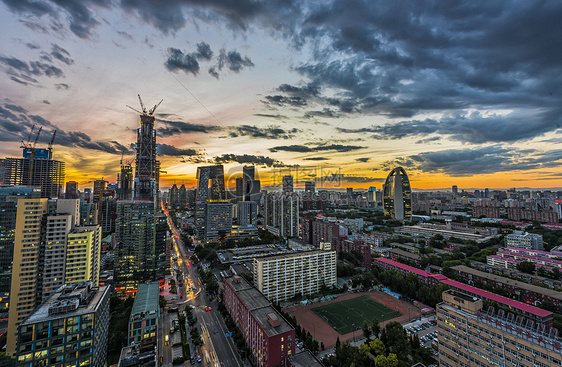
343 315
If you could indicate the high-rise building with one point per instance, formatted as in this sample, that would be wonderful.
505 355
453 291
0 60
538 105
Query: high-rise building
239 191
40 170
470 334
287 184
281 277
9 196
144 321
209 221
247 213
46 252
71 191
125 181
397 195
69 329
455 190
282 214
173 197
147 168
139 249
309 187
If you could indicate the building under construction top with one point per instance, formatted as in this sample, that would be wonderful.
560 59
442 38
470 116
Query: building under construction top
147 168
36 168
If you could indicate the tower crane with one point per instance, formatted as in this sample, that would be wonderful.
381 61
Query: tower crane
143 108
51 144
32 158
27 142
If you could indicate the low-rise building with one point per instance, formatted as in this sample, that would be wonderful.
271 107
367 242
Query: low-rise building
524 240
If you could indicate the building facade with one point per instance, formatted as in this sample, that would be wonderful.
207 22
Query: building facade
281 277
145 316
270 338
470 335
524 240
397 195
69 329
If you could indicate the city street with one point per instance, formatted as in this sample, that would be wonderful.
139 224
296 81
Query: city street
217 349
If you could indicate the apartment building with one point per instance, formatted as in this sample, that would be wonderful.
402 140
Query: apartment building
469 335
270 338
281 277
143 322
70 329
525 240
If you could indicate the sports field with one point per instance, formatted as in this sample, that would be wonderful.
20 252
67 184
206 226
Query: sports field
343 315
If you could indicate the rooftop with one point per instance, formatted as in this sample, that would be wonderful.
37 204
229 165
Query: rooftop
261 316
146 301
304 359
295 254
63 296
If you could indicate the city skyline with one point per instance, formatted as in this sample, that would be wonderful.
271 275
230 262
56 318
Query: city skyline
457 94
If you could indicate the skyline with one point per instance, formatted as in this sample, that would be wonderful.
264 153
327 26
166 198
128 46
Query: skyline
457 94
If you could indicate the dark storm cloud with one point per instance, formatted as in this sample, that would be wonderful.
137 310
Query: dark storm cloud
469 127
16 122
169 150
248 158
269 132
319 148
177 60
61 54
233 61
282 101
172 128
204 51
24 73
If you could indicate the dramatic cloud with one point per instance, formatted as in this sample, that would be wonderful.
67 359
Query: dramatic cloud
172 128
269 132
282 101
308 149
169 150
363 160
61 54
177 60
233 61
248 159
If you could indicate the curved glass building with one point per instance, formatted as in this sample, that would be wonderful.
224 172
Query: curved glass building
397 195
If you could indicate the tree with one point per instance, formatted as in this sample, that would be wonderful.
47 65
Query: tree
381 361
526 267
366 331
392 360
396 339
338 344
377 346
376 328
555 274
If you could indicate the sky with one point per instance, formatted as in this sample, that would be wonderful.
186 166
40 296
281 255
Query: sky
462 93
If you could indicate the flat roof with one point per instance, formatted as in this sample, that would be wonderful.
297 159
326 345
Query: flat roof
304 359
500 299
146 300
260 315
403 266
404 253
42 312
252 298
515 283
294 254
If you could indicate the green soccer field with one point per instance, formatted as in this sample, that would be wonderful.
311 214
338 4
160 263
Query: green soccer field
343 315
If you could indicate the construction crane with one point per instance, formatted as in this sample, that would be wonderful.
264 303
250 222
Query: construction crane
51 144
27 142
144 111
32 157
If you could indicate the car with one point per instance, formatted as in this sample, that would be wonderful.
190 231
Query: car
208 308
192 360
198 358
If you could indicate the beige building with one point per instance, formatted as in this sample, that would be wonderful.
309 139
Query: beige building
49 251
468 335
281 277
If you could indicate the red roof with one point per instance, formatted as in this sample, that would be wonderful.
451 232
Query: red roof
500 299
403 266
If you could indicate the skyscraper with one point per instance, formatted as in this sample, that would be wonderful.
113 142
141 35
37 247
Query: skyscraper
287 183
210 190
41 171
147 168
71 191
282 214
397 195
48 245
455 190
125 180
309 187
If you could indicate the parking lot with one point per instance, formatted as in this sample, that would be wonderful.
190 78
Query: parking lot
426 330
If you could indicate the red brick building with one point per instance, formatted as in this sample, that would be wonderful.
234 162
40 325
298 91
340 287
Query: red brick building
363 248
269 336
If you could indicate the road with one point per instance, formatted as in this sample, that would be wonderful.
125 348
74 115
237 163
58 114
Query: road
217 349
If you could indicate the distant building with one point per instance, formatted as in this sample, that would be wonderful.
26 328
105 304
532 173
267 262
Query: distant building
397 195
455 190
281 277
71 191
41 171
287 184
525 240
70 328
270 338
211 190
309 187
363 248
282 214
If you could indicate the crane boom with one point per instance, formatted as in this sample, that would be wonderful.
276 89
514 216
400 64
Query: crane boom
37 137
154 108
51 143
142 105
28 140
134 109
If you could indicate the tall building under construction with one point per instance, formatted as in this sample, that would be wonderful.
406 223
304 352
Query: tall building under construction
147 168
36 168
